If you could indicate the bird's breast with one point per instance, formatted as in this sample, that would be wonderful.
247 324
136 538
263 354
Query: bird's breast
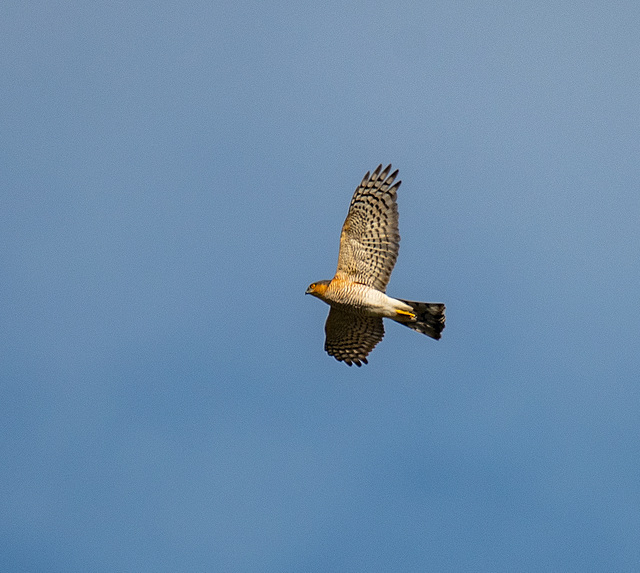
355 297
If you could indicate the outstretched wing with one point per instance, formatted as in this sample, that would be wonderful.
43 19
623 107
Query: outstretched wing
370 240
351 337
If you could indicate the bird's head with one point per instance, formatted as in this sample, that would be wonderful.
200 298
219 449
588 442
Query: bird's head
318 289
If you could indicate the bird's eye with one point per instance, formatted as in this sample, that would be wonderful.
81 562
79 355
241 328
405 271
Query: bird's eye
312 286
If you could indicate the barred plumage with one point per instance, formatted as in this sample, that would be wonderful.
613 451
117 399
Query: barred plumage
369 246
351 337
370 240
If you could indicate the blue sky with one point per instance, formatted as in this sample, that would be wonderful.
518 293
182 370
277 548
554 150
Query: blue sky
173 176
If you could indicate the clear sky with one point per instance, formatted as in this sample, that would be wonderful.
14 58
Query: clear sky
174 175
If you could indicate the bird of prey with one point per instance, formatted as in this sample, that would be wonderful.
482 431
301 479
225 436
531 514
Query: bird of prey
369 246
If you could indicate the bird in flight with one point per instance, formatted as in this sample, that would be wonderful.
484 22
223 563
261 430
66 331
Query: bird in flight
369 246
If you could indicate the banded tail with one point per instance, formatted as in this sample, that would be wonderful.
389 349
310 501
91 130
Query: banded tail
429 318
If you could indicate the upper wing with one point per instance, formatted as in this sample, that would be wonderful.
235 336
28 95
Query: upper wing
370 240
351 337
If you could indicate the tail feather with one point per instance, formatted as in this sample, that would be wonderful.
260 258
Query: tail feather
429 318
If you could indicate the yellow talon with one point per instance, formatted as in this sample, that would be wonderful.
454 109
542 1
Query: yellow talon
406 313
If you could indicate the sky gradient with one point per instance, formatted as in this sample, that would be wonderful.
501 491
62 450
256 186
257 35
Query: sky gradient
174 175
